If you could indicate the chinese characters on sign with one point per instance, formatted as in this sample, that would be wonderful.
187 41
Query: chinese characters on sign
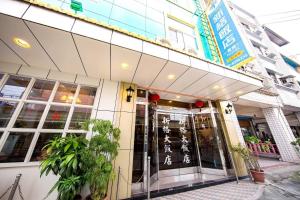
167 141
231 45
184 141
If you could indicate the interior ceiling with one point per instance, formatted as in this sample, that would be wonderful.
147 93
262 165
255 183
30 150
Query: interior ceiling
64 51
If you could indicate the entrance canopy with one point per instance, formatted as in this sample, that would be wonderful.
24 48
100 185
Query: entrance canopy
62 43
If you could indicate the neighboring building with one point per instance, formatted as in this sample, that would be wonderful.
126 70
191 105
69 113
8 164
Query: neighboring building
62 62
274 109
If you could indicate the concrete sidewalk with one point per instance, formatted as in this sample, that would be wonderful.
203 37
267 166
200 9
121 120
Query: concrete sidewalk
245 190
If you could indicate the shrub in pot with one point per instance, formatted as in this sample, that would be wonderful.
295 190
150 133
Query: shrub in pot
78 161
251 162
65 157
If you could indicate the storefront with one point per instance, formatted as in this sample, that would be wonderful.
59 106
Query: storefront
185 144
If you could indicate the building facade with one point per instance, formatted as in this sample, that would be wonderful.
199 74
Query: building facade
66 61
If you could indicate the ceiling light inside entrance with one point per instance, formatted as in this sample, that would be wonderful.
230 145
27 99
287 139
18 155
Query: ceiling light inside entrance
171 76
216 87
177 97
21 43
124 66
239 92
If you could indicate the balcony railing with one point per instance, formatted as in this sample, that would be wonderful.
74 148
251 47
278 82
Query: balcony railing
264 149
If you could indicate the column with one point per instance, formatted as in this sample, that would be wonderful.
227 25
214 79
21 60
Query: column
282 134
232 132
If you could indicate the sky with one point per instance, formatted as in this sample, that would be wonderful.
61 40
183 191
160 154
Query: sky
289 30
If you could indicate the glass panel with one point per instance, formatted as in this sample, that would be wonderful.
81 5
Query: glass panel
65 93
15 147
128 17
41 90
44 138
1 133
1 76
176 143
14 87
138 161
86 95
7 109
209 151
30 116
56 117
79 116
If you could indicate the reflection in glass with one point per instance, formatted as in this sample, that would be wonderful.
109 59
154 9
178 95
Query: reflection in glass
86 95
209 151
138 162
41 90
15 147
30 116
65 93
7 108
79 116
44 138
56 117
14 87
77 134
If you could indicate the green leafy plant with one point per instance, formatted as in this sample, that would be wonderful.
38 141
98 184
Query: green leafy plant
252 139
104 148
78 161
66 157
249 158
296 144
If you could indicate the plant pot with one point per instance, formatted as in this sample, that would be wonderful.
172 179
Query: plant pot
258 176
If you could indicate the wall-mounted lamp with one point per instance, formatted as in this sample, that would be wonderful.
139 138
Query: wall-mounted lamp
130 92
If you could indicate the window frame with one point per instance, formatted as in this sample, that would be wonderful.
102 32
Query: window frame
36 131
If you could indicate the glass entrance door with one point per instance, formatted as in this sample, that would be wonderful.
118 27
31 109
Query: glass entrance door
176 144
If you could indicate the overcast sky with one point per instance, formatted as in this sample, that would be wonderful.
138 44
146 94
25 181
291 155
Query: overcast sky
289 30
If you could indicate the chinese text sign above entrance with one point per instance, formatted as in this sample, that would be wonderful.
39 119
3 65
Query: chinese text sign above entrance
231 45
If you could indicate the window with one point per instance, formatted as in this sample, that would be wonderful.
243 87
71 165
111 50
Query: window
176 38
41 90
77 134
86 95
79 115
273 76
7 109
65 93
1 76
14 87
44 138
30 116
56 117
16 147
38 108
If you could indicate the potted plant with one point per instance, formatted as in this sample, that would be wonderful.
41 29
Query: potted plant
296 144
65 157
251 162
251 139
103 149
78 161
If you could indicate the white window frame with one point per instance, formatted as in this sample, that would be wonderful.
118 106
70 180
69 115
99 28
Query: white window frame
36 131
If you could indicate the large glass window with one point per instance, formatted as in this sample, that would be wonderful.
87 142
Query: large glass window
16 147
65 93
14 87
44 138
41 90
86 95
7 109
56 118
79 116
30 115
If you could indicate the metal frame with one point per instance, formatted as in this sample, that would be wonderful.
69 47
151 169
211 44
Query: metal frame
36 131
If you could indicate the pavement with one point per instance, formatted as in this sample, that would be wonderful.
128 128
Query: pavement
282 183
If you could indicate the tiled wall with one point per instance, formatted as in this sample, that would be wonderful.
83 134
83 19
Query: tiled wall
282 134
233 134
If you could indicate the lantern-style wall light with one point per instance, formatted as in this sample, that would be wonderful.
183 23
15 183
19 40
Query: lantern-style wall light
130 92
